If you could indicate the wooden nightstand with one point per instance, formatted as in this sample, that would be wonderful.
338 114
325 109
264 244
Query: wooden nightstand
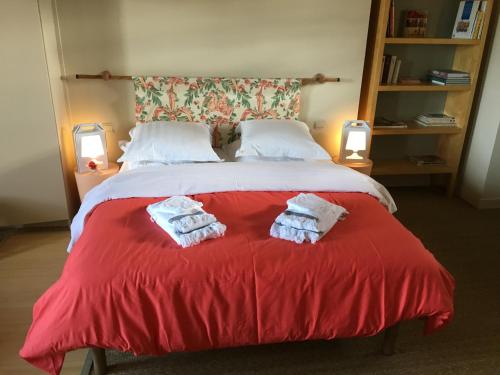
86 181
364 167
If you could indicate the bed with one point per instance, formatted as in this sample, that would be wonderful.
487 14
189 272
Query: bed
127 286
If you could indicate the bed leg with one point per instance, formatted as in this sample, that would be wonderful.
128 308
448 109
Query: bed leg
390 336
99 360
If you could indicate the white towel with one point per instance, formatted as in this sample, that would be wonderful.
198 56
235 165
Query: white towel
293 234
185 220
308 218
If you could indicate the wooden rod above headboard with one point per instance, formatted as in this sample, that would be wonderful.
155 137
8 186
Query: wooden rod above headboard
106 75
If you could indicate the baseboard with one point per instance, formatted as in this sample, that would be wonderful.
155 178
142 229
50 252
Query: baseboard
488 203
59 224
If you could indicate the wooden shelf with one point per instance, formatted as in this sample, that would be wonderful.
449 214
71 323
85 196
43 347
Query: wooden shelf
415 129
454 100
433 41
406 167
423 87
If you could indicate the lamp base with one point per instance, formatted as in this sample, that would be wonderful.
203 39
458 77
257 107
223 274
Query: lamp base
354 156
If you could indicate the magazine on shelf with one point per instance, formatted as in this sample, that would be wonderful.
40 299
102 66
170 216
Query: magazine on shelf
427 160
385 123
466 19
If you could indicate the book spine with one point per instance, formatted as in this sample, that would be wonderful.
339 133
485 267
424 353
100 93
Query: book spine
484 6
390 74
382 70
473 19
455 33
387 64
395 75
392 27
477 25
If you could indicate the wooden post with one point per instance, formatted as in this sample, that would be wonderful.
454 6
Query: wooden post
99 359
390 336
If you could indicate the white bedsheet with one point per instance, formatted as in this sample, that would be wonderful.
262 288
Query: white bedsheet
198 178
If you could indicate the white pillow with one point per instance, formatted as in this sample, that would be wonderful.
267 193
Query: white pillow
279 139
131 131
231 149
131 165
170 143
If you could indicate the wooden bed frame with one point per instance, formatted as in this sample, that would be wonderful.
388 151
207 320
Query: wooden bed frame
388 348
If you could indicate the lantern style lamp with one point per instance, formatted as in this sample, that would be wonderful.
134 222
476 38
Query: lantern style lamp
90 147
355 139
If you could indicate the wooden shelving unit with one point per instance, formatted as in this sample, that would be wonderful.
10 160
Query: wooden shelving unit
466 56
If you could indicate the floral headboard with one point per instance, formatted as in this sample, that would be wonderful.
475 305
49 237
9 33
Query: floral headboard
220 102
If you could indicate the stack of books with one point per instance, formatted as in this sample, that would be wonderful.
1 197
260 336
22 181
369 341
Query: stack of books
390 69
448 77
436 119
470 19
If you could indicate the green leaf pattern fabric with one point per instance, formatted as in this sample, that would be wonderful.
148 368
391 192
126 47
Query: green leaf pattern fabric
220 102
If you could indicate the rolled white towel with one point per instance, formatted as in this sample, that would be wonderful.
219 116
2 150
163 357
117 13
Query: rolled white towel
308 218
185 220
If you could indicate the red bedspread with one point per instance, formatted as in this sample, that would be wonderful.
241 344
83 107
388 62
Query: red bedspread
128 286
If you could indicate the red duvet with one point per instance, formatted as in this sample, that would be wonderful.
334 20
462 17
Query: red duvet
128 286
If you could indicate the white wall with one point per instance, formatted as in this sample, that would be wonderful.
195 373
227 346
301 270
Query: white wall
481 177
236 38
31 183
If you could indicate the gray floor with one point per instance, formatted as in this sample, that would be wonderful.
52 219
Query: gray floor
465 240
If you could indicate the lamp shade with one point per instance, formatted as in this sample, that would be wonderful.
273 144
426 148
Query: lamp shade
90 145
356 141
355 138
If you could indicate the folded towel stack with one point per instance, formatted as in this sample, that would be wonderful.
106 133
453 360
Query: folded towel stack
307 218
185 220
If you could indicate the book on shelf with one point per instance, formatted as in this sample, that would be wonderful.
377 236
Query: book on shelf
382 70
436 118
391 26
395 75
478 24
426 160
415 24
447 83
470 19
391 66
482 10
385 123
448 77
449 73
434 124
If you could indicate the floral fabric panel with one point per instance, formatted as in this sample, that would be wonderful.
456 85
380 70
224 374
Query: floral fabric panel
220 102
